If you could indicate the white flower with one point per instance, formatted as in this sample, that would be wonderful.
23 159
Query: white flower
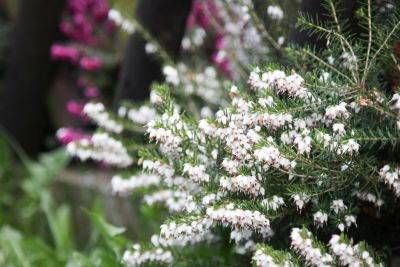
182 234
271 156
350 147
331 60
126 186
320 218
338 206
262 259
302 243
265 102
242 183
395 102
300 200
150 48
196 173
275 12
232 166
281 40
138 257
349 60
369 197
171 75
349 220
206 112
98 113
159 167
102 147
391 178
273 203
143 115
240 235
116 17
338 128
350 255
238 218
338 111
155 98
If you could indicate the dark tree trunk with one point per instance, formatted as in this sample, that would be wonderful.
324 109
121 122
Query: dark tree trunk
165 20
3 12
22 109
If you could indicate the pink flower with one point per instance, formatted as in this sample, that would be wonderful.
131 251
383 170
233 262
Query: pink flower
68 135
92 92
219 42
77 6
64 53
200 14
90 63
75 108
100 11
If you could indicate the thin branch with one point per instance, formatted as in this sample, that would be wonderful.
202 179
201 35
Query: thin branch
342 38
315 57
150 39
260 26
369 42
384 44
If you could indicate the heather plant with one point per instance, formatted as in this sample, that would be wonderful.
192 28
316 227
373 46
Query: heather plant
297 167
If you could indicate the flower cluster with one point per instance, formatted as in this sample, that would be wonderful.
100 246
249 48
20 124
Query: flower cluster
125 186
116 17
98 113
204 84
267 258
275 12
68 135
142 115
137 257
187 233
239 218
391 177
102 148
242 183
320 218
273 203
196 173
292 85
350 255
85 24
303 243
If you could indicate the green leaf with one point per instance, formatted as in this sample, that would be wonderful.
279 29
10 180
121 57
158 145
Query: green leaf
106 230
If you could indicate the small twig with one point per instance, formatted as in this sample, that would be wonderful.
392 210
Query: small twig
369 42
327 64
384 44
260 26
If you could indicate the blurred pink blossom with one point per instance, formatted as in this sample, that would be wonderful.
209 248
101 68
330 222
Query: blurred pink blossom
92 92
90 63
62 52
68 135
75 108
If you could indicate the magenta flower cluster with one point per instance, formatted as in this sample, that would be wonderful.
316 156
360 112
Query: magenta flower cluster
202 15
85 24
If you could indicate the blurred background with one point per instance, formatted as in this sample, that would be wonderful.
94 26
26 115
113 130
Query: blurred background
55 56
